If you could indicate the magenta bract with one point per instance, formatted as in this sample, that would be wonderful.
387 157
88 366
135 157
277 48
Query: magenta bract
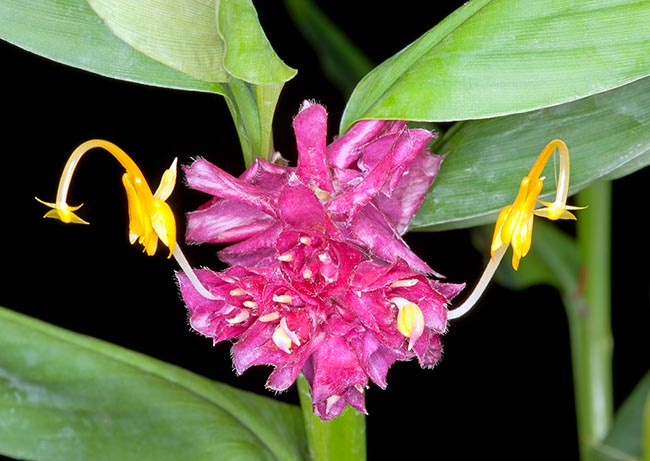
319 270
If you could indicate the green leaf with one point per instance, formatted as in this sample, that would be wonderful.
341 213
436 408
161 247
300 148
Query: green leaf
186 45
626 438
69 32
497 57
607 136
64 396
645 432
180 34
249 55
210 40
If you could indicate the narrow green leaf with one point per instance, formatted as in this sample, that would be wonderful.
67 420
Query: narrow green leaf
645 431
625 439
342 62
71 33
64 396
497 57
607 135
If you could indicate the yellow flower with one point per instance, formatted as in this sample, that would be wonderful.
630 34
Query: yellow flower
514 225
150 217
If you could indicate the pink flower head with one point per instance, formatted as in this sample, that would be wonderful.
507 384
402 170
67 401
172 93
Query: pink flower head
321 280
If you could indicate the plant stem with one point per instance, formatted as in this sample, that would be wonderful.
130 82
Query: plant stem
589 312
252 108
340 439
240 98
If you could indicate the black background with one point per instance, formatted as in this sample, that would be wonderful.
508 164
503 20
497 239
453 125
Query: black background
503 389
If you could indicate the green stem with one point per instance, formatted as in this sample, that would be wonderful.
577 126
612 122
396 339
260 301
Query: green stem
340 439
241 102
589 313
252 108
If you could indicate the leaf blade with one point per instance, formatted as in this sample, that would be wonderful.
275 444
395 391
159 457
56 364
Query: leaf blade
248 54
483 60
626 437
182 35
69 32
606 135
66 396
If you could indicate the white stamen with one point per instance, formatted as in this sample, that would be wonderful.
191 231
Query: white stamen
286 258
281 340
270 317
282 299
399 301
237 292
305 240
250 304
404 283
331 400
242 316
322 195
291 334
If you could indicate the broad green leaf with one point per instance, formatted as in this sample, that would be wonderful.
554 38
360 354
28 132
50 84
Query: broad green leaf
169 44
497 57
64 396
181 34
69 32
625 439
248 54
210 40
607 135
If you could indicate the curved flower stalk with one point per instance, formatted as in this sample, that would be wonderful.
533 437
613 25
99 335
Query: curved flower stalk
150 217
321 281
514 224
